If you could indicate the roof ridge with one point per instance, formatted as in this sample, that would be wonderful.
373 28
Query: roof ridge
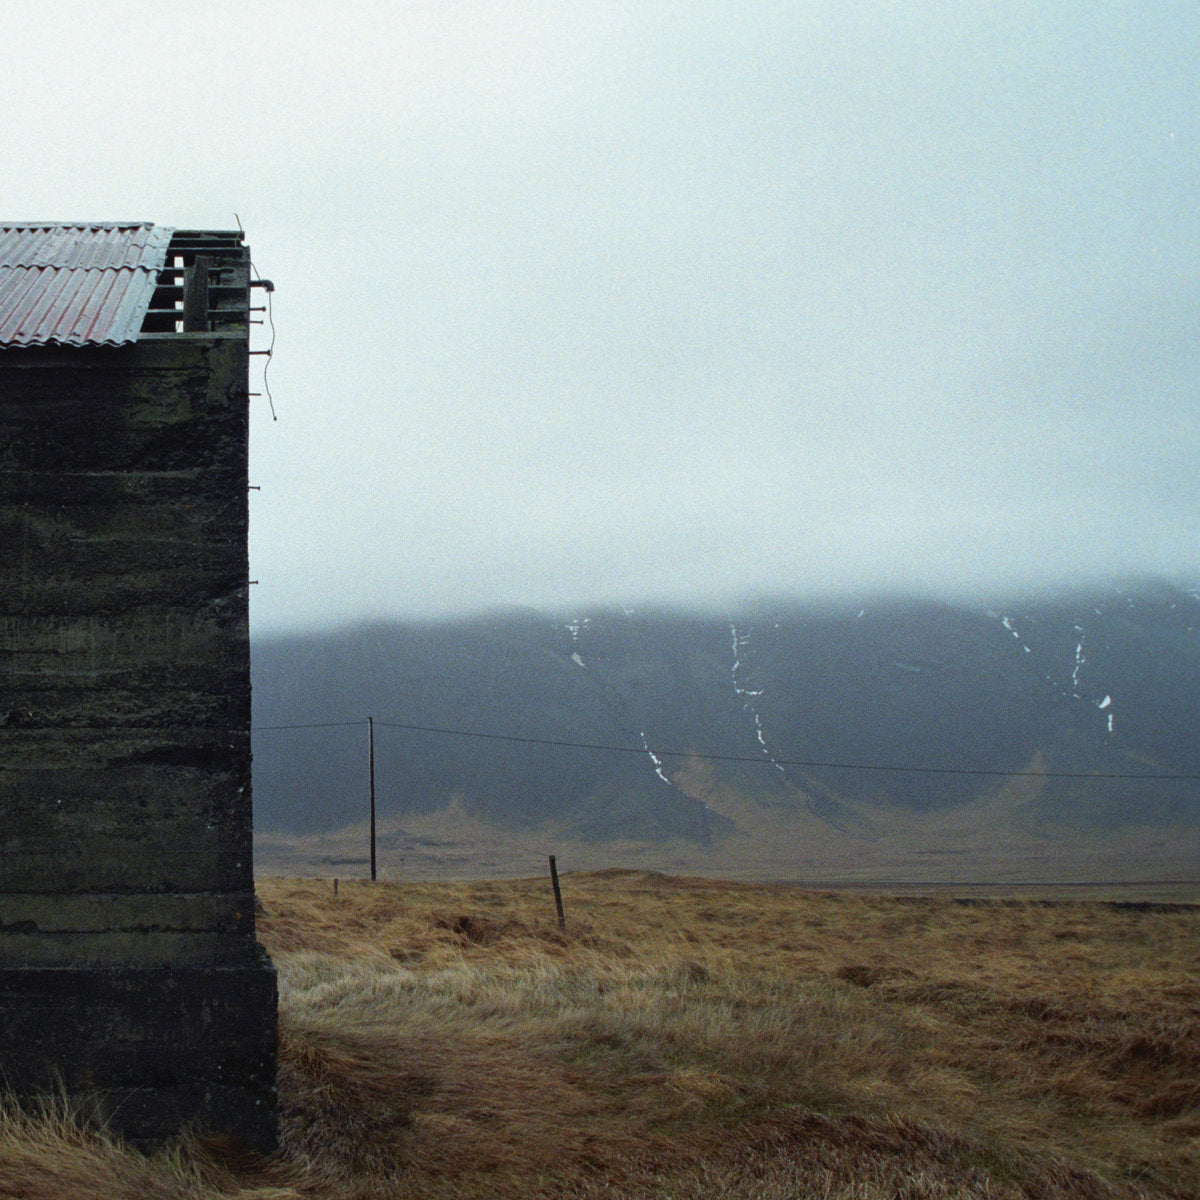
76 224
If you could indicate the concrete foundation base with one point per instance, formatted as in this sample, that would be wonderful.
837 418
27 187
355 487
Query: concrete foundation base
157 1049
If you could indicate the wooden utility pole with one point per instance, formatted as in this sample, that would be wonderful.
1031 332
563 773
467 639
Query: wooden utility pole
371 758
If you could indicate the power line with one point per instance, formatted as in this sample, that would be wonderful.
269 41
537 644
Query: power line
739 758
317 725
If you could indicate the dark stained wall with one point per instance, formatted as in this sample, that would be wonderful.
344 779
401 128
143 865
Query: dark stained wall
125 818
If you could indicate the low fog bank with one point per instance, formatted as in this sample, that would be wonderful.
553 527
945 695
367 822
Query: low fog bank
757 603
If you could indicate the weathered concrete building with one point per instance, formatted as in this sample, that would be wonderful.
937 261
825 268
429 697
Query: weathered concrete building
129 969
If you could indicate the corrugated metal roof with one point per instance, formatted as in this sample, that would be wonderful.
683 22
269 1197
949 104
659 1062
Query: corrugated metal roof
78 285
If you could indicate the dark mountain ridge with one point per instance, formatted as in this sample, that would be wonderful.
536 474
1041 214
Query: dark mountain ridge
794 707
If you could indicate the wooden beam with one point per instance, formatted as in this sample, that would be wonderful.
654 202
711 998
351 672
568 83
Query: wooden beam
195 296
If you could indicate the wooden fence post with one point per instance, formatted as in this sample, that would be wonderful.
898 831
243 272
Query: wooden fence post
562 920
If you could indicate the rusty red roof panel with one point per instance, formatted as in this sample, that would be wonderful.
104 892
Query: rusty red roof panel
78 285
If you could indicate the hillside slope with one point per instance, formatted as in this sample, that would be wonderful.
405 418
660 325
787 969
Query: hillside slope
780 708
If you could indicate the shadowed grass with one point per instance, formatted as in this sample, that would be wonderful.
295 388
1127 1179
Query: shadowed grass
58 1150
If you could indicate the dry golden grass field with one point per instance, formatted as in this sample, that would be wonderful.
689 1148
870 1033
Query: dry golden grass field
687 1038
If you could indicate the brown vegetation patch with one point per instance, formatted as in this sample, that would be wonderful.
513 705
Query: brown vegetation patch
345 1098
865 976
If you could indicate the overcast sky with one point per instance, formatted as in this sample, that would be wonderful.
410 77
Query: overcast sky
678 301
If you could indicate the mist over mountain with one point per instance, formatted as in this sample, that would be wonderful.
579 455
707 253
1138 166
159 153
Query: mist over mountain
793 708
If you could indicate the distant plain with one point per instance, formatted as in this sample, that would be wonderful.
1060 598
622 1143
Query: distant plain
979 849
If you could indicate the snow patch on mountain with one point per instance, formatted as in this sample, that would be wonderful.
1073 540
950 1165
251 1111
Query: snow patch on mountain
749 695
575 627
658 762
